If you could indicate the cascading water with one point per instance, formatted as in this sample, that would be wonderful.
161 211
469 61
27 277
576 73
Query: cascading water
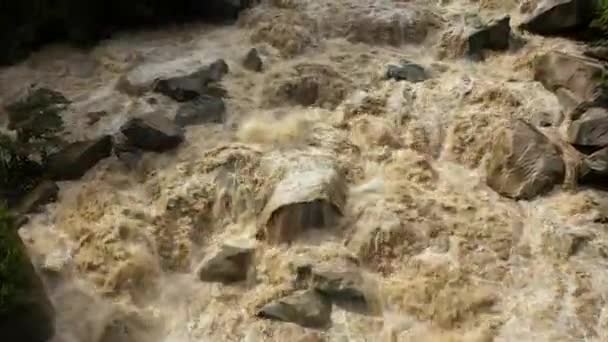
446 258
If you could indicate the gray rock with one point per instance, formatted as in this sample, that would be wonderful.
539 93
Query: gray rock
523 163
560 16
599 52
581 76
188 87
590 129
495 35
253 61
43 194
204 109
343 286
231 264
77 158
307 308
407 71
128 154
153 132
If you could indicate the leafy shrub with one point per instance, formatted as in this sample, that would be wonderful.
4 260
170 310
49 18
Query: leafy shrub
601 18
13 280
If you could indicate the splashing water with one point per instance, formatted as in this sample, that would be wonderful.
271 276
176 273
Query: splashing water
450 259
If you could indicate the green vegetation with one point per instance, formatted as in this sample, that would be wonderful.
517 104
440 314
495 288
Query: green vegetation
601 19
14 282
18 174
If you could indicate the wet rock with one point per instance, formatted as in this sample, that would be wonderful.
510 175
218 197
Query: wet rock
598 52
188 87
204 109
26 313
344 286
94 117
153 132
590 129
253 61
37 114
407 72
308 309
304 200
43 194
77 158
523 163
560 16
598 162
231 264
581 76
128 154
495 35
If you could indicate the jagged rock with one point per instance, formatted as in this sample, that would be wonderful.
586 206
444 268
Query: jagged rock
204 109
598 162
590 129
253 61
407 71
43 194
344 286
153 132
26 313
495 35
188 87
523 163
77 158
581 76
308 309
231 264
560 16
304 200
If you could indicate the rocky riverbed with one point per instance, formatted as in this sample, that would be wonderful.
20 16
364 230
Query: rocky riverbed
356 170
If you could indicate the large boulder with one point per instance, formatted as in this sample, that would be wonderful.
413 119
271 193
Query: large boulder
153 132
495 35
26 313
230 264
204 109
560 16
523 163
77 158
306 308
581 76
304 200
590 130
188 87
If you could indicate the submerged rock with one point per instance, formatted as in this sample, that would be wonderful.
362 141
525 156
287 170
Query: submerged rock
44 193
77 158
523 163
582 77
153 132
560 16
495 35
304 200
407 72
26 313
231 264
204 109
128 154
188 87
590 129
253 61
308 309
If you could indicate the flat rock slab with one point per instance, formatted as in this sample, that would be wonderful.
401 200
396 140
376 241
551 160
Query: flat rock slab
188 87
77 158
153 132
523 162
307 308
313 198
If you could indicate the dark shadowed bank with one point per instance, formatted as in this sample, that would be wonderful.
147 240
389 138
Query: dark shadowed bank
26 314
27 24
